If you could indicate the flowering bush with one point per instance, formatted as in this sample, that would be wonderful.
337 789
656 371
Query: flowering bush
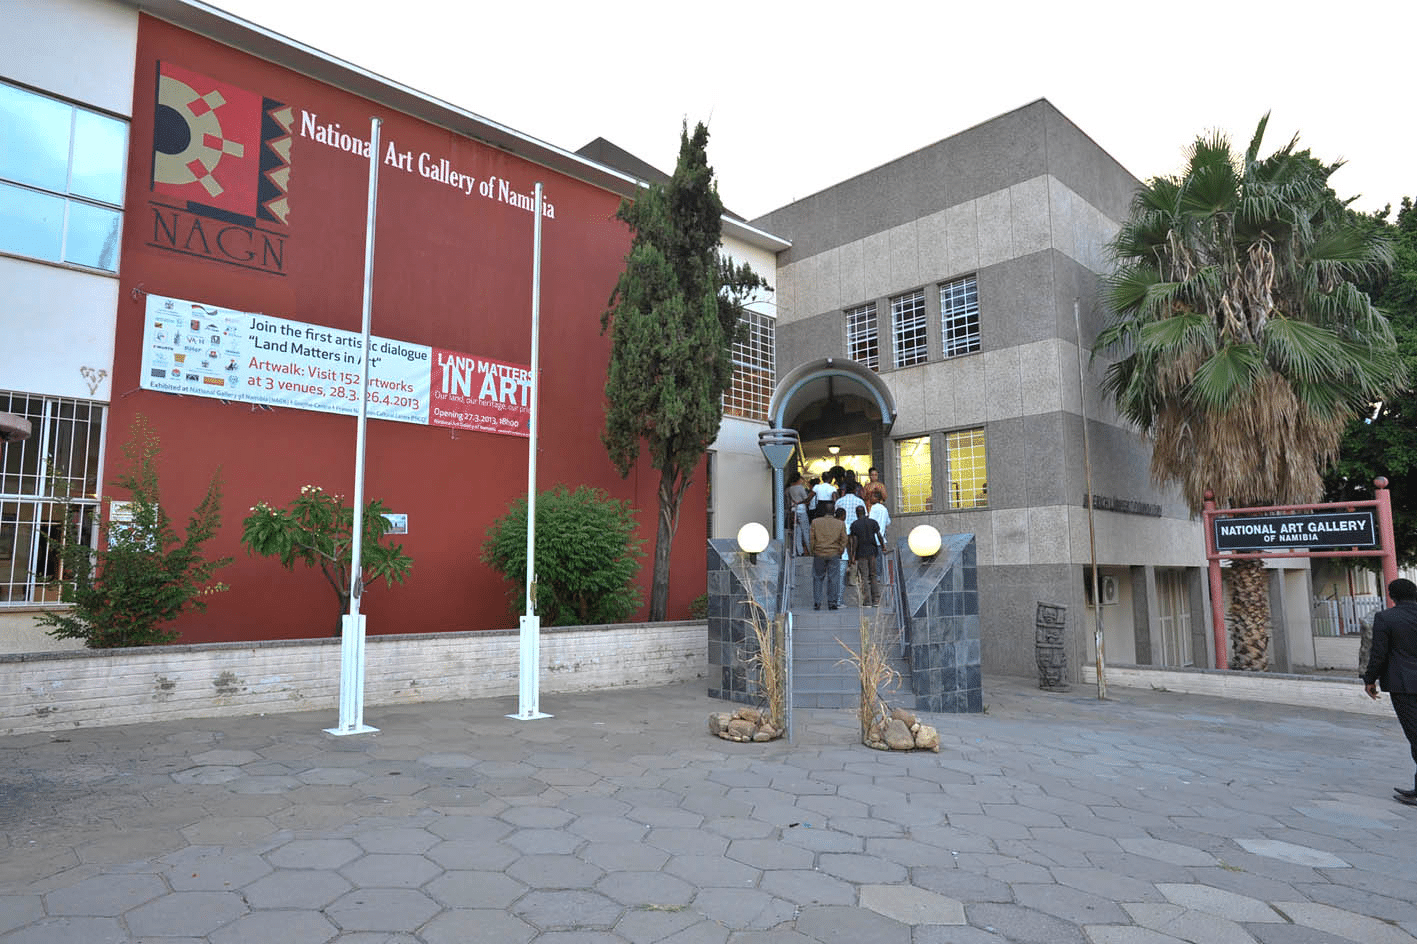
317 529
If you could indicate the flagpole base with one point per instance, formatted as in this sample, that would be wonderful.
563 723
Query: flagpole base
530 716
357 729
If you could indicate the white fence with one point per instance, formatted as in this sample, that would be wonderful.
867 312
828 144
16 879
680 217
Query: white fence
1342 616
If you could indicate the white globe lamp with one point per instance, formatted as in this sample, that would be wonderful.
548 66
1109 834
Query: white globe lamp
752 540
924 541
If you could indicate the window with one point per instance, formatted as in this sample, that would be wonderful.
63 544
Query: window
61 180
754 372
46 481
915 487
908 325
969 484
959 316
863 344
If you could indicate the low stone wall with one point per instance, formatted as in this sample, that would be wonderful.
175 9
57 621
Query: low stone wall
1309 691
52 691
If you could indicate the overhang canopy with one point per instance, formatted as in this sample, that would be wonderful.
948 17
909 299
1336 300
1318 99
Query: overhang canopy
807 383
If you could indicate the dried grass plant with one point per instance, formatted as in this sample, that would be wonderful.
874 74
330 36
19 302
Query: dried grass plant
873 667
767 663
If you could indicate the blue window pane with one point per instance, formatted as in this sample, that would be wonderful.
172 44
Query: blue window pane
31 223
34 139
93 236
100 143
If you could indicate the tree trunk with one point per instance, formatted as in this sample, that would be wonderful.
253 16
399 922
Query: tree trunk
1249 604
670 495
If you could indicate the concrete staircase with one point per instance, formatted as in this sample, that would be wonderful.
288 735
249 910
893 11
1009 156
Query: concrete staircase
820 677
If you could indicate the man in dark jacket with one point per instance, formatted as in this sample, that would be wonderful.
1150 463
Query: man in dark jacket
1393 661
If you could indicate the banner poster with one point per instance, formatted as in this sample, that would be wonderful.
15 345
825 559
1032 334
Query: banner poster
206 351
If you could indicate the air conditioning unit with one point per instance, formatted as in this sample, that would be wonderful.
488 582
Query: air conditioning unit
1106 588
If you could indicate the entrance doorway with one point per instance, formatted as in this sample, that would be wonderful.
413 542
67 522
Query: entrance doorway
1174 617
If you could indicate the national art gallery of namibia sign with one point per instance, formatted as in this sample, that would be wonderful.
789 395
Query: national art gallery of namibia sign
1303 532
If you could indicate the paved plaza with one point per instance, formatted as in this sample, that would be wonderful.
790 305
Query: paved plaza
1149 818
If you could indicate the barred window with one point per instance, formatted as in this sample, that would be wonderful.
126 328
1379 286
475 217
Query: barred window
908 327
863 343
61 180
969 483
959 316
754 371
48 492
915 485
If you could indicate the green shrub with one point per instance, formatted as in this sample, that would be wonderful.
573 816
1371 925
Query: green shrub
142 575
587 557
318 531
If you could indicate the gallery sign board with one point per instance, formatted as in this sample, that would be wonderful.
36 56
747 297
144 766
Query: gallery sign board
196 349
1304 532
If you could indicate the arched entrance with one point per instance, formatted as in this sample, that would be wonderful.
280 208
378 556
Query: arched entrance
834 402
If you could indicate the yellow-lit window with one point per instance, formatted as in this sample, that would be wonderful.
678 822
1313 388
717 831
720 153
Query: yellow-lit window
969 485
915 485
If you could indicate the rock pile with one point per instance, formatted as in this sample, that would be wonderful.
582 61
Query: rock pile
902 732
745 724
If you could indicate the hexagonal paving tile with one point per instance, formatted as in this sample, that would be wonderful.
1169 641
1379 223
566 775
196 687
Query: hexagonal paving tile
687 842
537 817
212 868
743 908
272 927
460 854
405 839
554 871
296 888
380 870
770 854
472 827
314 853
185 914
382 909
544 841
624 856
476 926
104 895
467 889
605 828
567 910
646 889
219 757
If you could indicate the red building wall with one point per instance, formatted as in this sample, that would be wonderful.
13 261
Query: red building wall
452 270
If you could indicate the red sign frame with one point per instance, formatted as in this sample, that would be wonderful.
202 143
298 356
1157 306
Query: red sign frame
1386 549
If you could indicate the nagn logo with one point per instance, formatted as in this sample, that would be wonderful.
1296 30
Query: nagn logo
220 172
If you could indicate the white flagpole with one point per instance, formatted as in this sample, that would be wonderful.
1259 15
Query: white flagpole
529 671
351 660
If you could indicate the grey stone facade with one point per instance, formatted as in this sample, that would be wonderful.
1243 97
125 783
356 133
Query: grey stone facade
1026 203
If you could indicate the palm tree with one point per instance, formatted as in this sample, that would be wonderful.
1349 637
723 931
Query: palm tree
1244 344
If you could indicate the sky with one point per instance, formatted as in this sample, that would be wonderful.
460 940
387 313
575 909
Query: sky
800 96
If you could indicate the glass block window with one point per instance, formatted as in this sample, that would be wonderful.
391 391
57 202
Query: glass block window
969 484
754 371
915 484
908 329
61 180
863 342
48 492
959 316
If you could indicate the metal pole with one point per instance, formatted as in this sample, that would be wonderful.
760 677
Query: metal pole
1385 535
351 683
1099 642
529 670
1217 587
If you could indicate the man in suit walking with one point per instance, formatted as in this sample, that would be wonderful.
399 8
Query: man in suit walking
1393 661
